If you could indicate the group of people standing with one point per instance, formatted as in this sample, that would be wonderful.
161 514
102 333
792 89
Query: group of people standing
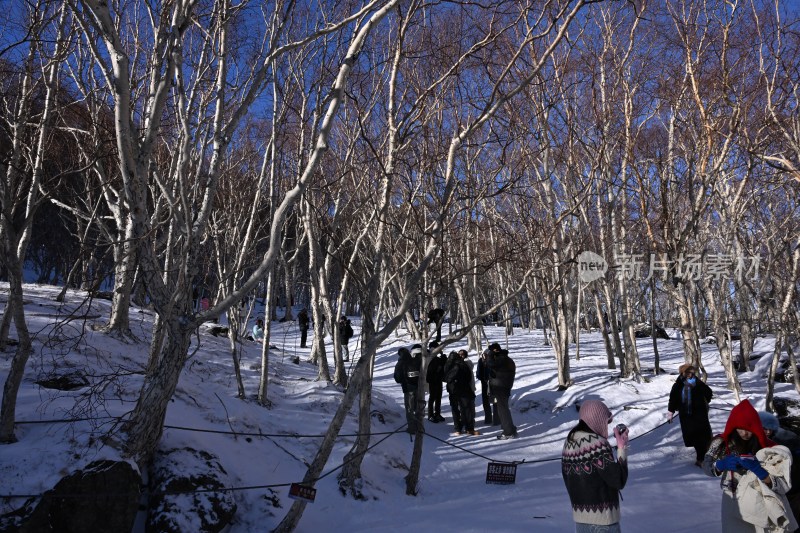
496 372
753 457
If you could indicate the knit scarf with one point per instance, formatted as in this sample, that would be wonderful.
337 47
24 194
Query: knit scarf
686 396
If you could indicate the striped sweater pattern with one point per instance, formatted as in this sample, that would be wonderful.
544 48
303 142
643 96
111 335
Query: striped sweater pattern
593 478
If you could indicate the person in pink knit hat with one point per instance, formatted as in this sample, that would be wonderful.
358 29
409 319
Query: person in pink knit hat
591 474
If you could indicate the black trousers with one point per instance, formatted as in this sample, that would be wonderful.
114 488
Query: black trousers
489 407
434 399
456 410
505 413
410 400
303 337
466 406
700 448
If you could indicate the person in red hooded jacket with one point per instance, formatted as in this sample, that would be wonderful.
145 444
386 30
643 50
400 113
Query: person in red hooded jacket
731 456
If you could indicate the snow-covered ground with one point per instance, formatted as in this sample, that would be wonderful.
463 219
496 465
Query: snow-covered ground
665 491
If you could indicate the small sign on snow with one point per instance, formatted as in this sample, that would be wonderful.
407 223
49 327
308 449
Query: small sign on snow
302 492
501 473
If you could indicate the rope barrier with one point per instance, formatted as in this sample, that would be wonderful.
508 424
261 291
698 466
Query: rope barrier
201 491
385 434
650 431
286 435
62 420
453 445
356 456
202 430
525 461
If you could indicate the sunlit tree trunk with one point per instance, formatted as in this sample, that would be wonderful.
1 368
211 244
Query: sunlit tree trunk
781 336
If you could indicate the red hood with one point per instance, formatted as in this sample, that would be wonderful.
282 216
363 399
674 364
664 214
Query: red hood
744 416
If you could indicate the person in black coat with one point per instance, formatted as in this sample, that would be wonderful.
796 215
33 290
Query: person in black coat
502 371
302 324
436 316
461 381
434 377
452 359
689 397
490 417
345 334
406 373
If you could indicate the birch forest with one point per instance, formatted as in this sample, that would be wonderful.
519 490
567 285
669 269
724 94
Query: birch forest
382 158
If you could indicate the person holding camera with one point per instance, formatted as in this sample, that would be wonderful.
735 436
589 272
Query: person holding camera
490 416
502 371
461 387
435 376
451 372
591 474
406 373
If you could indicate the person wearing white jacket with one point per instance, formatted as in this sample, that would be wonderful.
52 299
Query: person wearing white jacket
755 475
759 503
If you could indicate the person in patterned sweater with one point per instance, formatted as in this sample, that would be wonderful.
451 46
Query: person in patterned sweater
592 477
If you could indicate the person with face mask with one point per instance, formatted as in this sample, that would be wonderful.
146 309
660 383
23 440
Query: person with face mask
689 397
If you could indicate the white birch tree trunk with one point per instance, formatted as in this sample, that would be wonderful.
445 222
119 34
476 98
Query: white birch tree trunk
783 322
20 199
